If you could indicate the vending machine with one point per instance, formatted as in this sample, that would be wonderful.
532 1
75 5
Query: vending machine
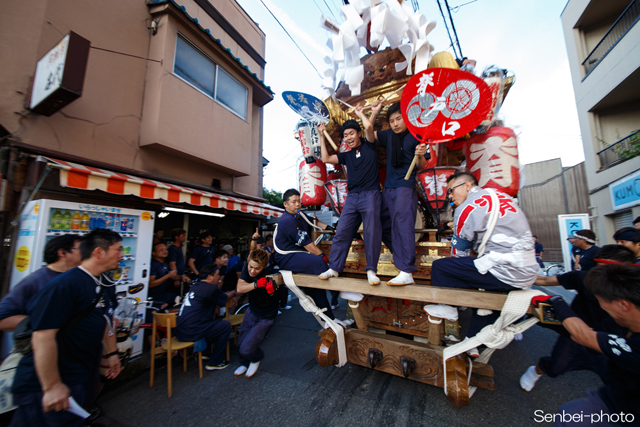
42 220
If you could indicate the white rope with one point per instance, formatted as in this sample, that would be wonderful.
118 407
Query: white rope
309 306
498 335
275 234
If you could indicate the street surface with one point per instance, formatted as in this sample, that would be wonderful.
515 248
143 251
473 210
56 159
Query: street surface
291 389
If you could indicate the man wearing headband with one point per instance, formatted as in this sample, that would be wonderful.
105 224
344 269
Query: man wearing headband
575 253
196 319
586 241
399 198
567 355
362 205
629 237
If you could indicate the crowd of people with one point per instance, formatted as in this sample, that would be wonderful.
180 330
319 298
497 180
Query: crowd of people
65 309
62 314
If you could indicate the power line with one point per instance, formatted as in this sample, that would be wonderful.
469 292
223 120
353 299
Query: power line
294 42
453 27
457 53
457 8
330 11
318 6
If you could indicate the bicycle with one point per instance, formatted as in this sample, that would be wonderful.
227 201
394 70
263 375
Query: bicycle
554 270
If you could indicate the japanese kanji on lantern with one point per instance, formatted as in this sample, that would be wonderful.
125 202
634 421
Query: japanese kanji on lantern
311 179
492 158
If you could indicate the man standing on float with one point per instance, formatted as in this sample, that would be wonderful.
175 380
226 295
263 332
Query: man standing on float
363 200
399 198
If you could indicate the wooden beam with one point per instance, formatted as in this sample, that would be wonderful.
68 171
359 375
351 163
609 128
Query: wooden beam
425 293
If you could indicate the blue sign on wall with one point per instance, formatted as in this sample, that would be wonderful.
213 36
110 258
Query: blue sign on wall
626 191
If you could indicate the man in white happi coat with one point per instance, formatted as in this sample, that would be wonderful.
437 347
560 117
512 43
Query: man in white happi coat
506 263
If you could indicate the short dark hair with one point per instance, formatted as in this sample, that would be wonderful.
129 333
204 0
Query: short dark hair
268 237
630 234
208 270
220 253
637 220
205 234
615 281
290 193
535 236
586 233
177 232
98 238
468 177
393 108
65 242
616 253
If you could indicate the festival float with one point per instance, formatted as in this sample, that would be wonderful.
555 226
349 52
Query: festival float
446 105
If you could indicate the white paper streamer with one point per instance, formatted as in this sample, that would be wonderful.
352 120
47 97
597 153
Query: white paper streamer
387 20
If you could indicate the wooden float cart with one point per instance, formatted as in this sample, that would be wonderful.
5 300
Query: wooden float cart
400 309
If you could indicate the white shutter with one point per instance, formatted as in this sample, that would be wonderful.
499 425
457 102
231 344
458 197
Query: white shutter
622 219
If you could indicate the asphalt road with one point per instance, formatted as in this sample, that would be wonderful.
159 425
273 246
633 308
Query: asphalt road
291 389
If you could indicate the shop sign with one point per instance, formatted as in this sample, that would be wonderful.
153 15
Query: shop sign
625 192
59 76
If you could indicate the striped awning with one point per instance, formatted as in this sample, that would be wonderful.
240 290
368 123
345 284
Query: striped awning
83 177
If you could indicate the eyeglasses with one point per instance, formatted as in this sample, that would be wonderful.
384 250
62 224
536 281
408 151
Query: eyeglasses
450 190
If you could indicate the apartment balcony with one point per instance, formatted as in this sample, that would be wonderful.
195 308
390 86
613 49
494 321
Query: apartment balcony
620 151
621 26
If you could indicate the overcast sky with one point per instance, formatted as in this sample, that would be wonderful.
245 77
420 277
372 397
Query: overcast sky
524 37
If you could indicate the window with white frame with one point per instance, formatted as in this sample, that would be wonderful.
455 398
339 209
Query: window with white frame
201 72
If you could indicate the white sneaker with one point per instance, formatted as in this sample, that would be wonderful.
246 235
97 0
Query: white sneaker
529 379
253 368
472 352
240 371
328 274
373 279
401 279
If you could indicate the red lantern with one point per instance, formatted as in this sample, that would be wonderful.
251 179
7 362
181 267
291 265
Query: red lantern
492 158
432 186
311 179
337 194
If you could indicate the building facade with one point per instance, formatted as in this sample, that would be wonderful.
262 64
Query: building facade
170 111
603 46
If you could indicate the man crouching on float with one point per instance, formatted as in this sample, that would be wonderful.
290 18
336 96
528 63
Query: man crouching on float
490 224
296 250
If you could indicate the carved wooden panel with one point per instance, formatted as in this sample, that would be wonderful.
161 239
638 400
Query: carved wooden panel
426 253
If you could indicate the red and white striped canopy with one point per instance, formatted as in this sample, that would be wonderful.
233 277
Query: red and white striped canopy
85 177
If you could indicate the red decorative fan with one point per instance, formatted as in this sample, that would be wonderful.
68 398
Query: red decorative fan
441 104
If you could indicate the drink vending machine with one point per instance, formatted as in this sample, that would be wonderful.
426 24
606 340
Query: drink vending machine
42 220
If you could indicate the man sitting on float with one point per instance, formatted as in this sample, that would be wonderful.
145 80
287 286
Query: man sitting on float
363 200
399 198
296 251
489 224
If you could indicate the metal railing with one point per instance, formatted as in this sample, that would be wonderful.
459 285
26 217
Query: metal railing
620 151
624 22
